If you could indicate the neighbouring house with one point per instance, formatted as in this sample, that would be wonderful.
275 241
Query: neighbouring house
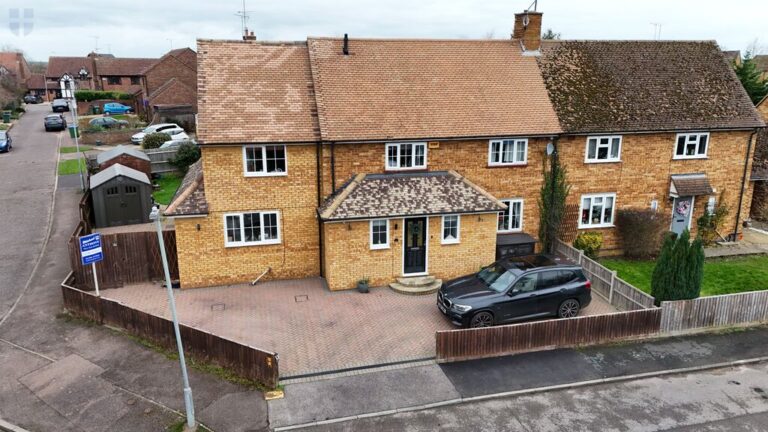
121 196
171 83
126 156
36 85
733 56
76 67
15 64
759 175
382 159
761 63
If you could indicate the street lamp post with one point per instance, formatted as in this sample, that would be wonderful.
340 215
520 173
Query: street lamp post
68 92
188 403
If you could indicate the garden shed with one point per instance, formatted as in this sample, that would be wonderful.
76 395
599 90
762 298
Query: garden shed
121 196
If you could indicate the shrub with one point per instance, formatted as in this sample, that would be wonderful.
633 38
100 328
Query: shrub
711 221
589 242
155 140
187 154
679 269
89 95
641 231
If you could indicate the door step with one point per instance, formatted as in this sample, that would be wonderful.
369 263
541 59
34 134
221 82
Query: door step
420 285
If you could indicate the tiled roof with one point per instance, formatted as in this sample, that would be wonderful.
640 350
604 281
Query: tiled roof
251 91
732 56
120 150
189 199
188 60
106 66
407 194
613 86
390 89
36 82
690 185
58 66
117 170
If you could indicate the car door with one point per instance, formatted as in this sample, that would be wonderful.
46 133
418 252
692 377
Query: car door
520 301
551 291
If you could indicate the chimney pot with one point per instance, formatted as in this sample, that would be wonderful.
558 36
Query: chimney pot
345 49
528 30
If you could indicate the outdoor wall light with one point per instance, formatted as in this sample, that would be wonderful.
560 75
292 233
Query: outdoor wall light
198 227
395 226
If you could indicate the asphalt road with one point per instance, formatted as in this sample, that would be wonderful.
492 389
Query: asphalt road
719 400
27 176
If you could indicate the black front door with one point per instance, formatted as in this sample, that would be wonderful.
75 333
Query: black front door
415 253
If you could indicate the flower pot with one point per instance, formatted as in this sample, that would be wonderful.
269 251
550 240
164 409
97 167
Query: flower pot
362 287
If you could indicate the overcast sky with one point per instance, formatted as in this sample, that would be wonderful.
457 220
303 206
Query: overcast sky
149 28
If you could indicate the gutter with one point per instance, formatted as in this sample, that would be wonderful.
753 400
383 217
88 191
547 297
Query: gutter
747 158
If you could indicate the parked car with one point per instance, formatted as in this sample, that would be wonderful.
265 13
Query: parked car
108 123
6 143
32 99
54 122
116 108
175 142
59 105
160 127
514 289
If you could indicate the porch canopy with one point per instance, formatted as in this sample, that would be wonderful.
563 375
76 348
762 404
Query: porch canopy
690 185
373 196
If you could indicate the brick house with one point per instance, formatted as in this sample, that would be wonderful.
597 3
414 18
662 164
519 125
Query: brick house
383 159
171 81
15 64
102 72
759 175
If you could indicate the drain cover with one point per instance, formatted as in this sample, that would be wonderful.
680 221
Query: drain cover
218 307
301 298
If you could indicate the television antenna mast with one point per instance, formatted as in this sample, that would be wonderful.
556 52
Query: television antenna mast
656 31
244 17
95 43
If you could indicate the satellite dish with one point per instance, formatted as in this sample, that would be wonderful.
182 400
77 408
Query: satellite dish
550 149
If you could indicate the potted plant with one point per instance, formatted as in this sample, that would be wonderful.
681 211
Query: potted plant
362 285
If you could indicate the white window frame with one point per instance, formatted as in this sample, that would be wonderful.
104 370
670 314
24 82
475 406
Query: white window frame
598 138
602 224
370 235
387 167
456 240
242 241
263 148
510 202
698 136
502 142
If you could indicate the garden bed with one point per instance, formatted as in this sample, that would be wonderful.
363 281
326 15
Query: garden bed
721 275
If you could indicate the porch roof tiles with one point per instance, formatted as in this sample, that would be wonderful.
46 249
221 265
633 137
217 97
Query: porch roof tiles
690 185
189 199
369 196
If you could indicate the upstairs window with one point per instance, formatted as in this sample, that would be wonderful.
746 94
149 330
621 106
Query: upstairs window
597 210
511 219
508 152
264 160
245 229
135 80
691 146
450 229
380 234
406 156
114 80
603 149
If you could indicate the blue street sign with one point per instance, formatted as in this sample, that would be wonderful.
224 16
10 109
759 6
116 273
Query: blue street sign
90 249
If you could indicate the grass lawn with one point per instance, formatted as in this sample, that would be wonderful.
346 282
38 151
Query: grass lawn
721 275
168 185
73 149
70 166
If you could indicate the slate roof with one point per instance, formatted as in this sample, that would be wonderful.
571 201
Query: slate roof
690 185
120 150
367 196
189 199
58 66
106 66
253 92
117 170
615 86
404 89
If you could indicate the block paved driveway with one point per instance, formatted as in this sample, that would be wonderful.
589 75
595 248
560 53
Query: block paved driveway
311 328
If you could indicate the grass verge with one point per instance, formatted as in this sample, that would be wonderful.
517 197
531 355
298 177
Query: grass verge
73 149
168 184
70 166
721 275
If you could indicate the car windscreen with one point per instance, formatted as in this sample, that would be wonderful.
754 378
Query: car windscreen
497 277
3 136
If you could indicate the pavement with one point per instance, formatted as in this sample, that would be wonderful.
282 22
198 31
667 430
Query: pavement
314 330
755 242
382 393
65 375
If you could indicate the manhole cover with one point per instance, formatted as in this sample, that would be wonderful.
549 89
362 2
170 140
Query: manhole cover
301 298
218 307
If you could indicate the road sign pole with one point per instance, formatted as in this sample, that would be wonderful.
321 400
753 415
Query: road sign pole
95 279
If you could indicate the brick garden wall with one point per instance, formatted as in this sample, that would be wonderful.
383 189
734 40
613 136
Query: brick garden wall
111 137
142 165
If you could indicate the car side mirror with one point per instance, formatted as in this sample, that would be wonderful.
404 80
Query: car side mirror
513 292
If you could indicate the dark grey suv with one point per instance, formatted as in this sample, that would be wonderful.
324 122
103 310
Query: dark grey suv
514 289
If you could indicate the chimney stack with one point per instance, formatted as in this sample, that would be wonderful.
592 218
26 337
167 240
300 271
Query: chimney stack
248 35
528 30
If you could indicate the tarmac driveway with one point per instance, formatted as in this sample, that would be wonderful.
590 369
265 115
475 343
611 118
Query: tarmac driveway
311 328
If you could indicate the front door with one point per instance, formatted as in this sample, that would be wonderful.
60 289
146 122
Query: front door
415 246
682 208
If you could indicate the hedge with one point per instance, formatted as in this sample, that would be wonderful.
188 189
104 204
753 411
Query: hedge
89 95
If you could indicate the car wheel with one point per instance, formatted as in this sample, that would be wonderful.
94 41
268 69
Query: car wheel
481 319
568 309
106 113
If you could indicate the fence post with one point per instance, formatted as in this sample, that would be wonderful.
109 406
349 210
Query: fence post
581 256
613 283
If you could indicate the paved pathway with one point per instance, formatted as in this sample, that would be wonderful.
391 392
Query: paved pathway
312 329
754 242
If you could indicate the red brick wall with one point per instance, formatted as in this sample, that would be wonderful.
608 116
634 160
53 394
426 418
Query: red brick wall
131 162
168 68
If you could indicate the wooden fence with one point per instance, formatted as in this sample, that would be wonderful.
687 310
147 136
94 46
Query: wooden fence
129 257
159 159
716 311
605 282
457 345
86 212
253 363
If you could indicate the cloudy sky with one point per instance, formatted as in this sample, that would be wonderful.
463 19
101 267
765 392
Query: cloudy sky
148 28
